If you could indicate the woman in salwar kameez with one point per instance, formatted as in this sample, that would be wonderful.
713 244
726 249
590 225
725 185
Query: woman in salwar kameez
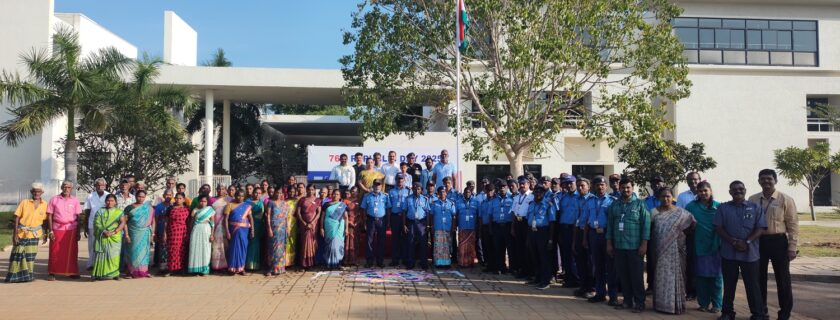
668 234
255 246
177 237
708 278
277 222
108 226
350 242
308 213
201 237
238 222
333 230
218 256
141 222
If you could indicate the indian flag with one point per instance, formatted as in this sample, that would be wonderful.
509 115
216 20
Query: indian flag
463 25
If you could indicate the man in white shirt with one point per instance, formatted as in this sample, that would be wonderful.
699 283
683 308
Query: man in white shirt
686 197
344 173
390 170
95 201
520 262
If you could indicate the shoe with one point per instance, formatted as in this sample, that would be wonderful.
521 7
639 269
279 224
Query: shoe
543 286
623 306
613 303
368 265
51 278
597 299
75 276
424 267
702 309
394 264
713 310
570 285
580 293
639 309
381 265
690 297
727 316
409 267
532 283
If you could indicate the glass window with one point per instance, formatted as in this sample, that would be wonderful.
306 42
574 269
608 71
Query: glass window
736 39
805 41
784 40
780 25
684 22
710 23
722 39
769 39
707 38
753 40
756 24
688 36
733 23
804 25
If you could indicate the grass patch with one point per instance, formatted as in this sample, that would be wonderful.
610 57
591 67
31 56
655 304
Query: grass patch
821 216
817 241
5 229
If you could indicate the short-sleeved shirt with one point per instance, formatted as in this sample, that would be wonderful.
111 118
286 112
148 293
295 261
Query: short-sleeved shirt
488 209
568 208
346 175
443 211
652 202
583 201
441 171
93 203
425 177
503 214
454 196
629 223
397 198
65 212
123 201
596 211
32 215
684 198
416 207
739 220
467 213
541 214
521 204
390 171
375 204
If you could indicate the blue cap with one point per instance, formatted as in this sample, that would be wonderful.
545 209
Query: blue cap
569 179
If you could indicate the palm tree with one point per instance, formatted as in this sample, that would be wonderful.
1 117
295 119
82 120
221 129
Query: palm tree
62 83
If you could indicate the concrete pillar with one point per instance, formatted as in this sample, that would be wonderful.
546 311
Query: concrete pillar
226 135
208 137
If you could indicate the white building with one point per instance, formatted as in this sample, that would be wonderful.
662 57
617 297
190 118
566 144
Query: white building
755 65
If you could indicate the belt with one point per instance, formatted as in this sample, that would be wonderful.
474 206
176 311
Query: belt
31 229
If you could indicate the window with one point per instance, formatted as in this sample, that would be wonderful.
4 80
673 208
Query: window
587 171
501 171
748 41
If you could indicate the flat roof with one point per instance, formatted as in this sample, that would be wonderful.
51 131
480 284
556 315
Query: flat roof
258 85
315 129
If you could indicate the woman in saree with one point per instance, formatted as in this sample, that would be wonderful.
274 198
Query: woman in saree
277 221
255 246
238 231
708 279
367 177
218 256
231 190
308 214
297 193
669 225
201 237
108 226
141 222
443 211
333 230
352 202
176 234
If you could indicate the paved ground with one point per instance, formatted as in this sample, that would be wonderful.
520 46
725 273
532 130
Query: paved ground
348 295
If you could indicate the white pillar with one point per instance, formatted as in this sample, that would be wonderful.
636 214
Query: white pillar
208 137
226 135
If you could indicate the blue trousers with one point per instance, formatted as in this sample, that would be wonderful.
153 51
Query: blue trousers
603 267
397 243
570 272
415 238
375 235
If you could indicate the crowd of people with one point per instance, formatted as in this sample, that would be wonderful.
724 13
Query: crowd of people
598 236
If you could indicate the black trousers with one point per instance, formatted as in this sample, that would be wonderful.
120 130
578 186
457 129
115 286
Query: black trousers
630 269
375 239
774 249
502 240
520 261
582 262
541 265
565 236
690 289
487 247
416 239
397 239
749 274
603 270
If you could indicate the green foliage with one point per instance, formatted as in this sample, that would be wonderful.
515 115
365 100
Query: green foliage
218 60
807 167
281 160
305 109
671 162
529 65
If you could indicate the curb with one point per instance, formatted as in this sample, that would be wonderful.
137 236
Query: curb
823 278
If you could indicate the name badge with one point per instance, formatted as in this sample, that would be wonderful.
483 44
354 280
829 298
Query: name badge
621 226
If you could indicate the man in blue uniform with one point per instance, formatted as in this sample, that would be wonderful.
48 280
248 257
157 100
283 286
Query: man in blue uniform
375 205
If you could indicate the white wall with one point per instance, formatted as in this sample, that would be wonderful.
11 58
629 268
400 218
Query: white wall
180 41
24 24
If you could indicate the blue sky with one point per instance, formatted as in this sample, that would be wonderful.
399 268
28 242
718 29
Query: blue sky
254 33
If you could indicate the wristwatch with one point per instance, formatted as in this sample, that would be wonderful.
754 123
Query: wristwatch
749 241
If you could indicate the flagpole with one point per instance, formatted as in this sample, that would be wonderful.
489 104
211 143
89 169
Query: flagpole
458 92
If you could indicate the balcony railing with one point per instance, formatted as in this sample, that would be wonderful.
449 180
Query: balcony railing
820 125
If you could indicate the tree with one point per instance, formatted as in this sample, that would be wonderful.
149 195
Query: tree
807 167
672 162
329 110
61 83
530 64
